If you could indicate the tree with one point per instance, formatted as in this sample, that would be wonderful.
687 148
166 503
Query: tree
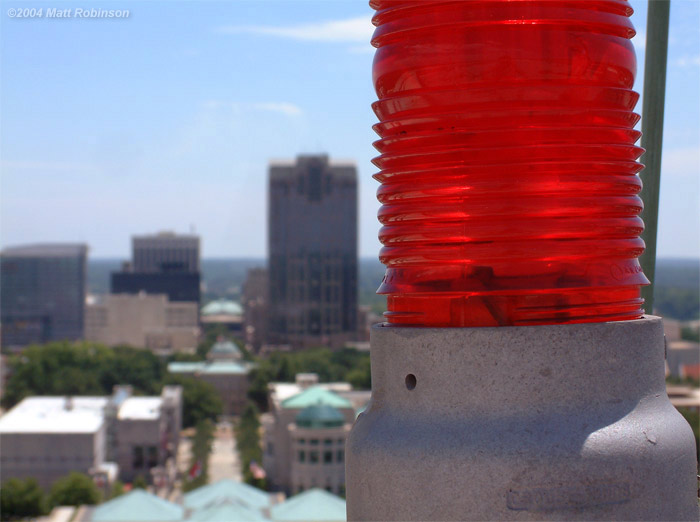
200 400
361 376
117 489
62 368
139 482
21 499
76 489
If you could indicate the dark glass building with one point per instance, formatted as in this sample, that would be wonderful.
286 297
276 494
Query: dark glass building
164 263
312 252
42 293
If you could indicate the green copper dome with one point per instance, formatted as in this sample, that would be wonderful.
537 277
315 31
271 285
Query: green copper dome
222 307
320 416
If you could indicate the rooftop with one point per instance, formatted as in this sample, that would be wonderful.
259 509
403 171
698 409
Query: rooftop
226 490
55 415
225 347
227 510
140 408
46 250
209 367
137 506
222 307
312 505
316 395
320 416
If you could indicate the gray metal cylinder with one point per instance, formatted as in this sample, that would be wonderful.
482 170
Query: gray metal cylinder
561 422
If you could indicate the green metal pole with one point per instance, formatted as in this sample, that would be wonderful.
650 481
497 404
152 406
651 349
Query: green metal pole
652 134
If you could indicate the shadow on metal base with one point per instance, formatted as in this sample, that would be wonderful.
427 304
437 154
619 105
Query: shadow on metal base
561 422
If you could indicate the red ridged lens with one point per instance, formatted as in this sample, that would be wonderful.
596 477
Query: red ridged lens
508 164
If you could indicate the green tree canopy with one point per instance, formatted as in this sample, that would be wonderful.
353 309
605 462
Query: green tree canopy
62 368
200 400
21 499
76 489
139 482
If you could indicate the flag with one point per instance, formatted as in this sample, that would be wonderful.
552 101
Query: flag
195 470
257 471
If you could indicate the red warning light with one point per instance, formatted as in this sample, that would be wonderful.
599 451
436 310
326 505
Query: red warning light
508 164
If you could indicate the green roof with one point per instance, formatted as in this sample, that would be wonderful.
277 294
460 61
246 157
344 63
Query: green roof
227 511
225 347
228 367
316 395
137 505
320 416
226 490
311 506
222 307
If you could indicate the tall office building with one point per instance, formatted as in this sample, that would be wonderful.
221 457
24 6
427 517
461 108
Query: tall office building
43 293
164 263
312 252
165 252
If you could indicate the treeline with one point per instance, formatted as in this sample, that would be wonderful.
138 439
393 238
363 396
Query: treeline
347 365
247 431
63 368
198 472
20 499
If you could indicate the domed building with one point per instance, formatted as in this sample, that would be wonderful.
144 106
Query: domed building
225 312
304 434
318 449
224 350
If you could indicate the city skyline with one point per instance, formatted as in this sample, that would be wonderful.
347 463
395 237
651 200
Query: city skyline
169 118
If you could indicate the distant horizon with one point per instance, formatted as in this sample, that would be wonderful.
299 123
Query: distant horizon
168 119
254 258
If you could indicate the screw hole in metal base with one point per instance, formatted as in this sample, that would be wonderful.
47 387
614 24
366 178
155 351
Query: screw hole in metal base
410 381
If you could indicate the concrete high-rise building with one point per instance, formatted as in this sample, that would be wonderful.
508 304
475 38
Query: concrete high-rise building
143 321
312 241
164 263
43 293
254 297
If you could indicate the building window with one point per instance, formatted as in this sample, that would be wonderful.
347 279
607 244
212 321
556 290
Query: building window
340 455
137 457
313 457
314 442
328 441
327 457
302 456
152 456
270 448
301 441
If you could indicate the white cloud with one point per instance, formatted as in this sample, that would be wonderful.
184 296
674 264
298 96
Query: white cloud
361 49
680 163
46 166
640 41
688 61
349 30
288 109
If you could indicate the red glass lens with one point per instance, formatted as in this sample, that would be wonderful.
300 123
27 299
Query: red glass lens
508 164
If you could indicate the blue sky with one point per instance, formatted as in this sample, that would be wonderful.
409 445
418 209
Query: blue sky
167 119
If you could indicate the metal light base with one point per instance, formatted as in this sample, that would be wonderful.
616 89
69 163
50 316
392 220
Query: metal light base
562 422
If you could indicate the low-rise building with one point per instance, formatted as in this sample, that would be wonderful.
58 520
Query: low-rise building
48 437
305 432
225 370
143 321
